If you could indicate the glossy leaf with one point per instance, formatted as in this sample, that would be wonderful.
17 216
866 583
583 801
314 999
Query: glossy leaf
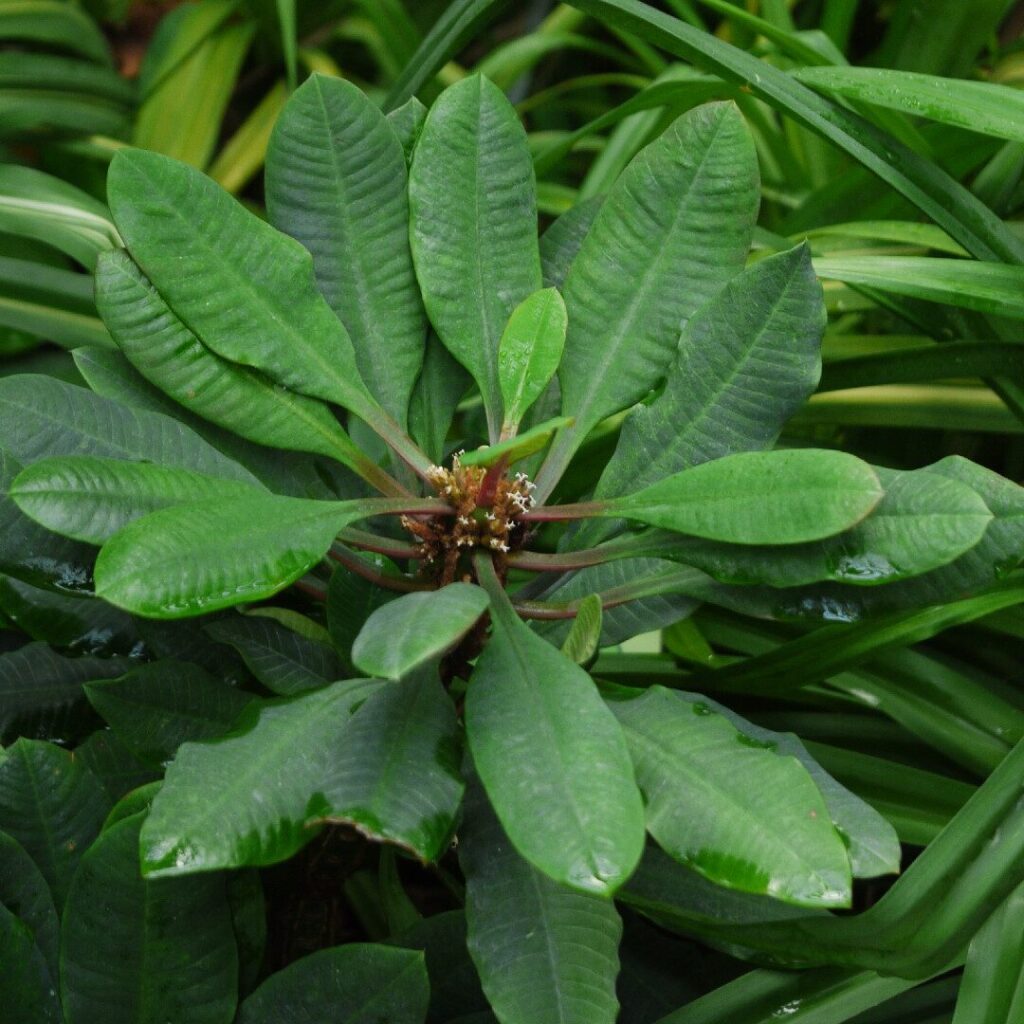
53 806
45 417
157 707
395 775
780 497
649 262
540 736
251 296
731 808
924 521
281 659
244 799
89 498
529 353
197 558
474 226
145 952
169 355
522 446
361 984
543 951
336 181
416 628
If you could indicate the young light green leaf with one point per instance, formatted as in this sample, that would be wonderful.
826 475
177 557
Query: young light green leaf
780 497
585 635
197 558
138 951
157 707
336 180
53 806
250 295
395 773
529 353
171 357
416 628
474 226
90 498
542 738
675 227
244 799
521 446
985 107
923 521
544 952
732 808
361 983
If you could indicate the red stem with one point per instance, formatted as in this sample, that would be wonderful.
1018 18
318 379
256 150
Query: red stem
362 568
555 513
382 545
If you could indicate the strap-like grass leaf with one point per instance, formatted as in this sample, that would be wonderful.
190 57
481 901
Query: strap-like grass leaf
336 181
395 774
674 228
90 498
416 628
53 806
281 659
474 226
529 353
732 808
245 799
170 356
360 984
984 107
779 497
544 952
553 760
250 294
141 951
43 417
197 558
924 521
157 707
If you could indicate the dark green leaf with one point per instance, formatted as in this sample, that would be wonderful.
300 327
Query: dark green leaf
30 995
24 892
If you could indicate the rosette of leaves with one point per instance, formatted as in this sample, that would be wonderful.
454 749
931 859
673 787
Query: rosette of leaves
279 418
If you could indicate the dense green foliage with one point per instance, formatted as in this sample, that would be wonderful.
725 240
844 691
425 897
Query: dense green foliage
553 555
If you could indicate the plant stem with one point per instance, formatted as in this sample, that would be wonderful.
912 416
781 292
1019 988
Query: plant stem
382 545
536 561
309 586
362 568
556 513
398 440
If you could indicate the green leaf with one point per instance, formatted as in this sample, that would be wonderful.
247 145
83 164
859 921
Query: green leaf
117 769
585 635
144 952
44 416
336 181
529 352
970 284
561 242
170 356
249 920
90 498
40 690
674 229
53 806
440 388
544 952
351 600
521 446
542 738
30 995
407 122
416 628
54 23
730 807
779 497
40 206
281 659
244 799
157 707
474 226
395 775
985 107
250 295
747 361
198 558
24 892
941 198
359 983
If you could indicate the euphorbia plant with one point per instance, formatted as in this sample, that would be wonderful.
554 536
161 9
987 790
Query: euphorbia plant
400 274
